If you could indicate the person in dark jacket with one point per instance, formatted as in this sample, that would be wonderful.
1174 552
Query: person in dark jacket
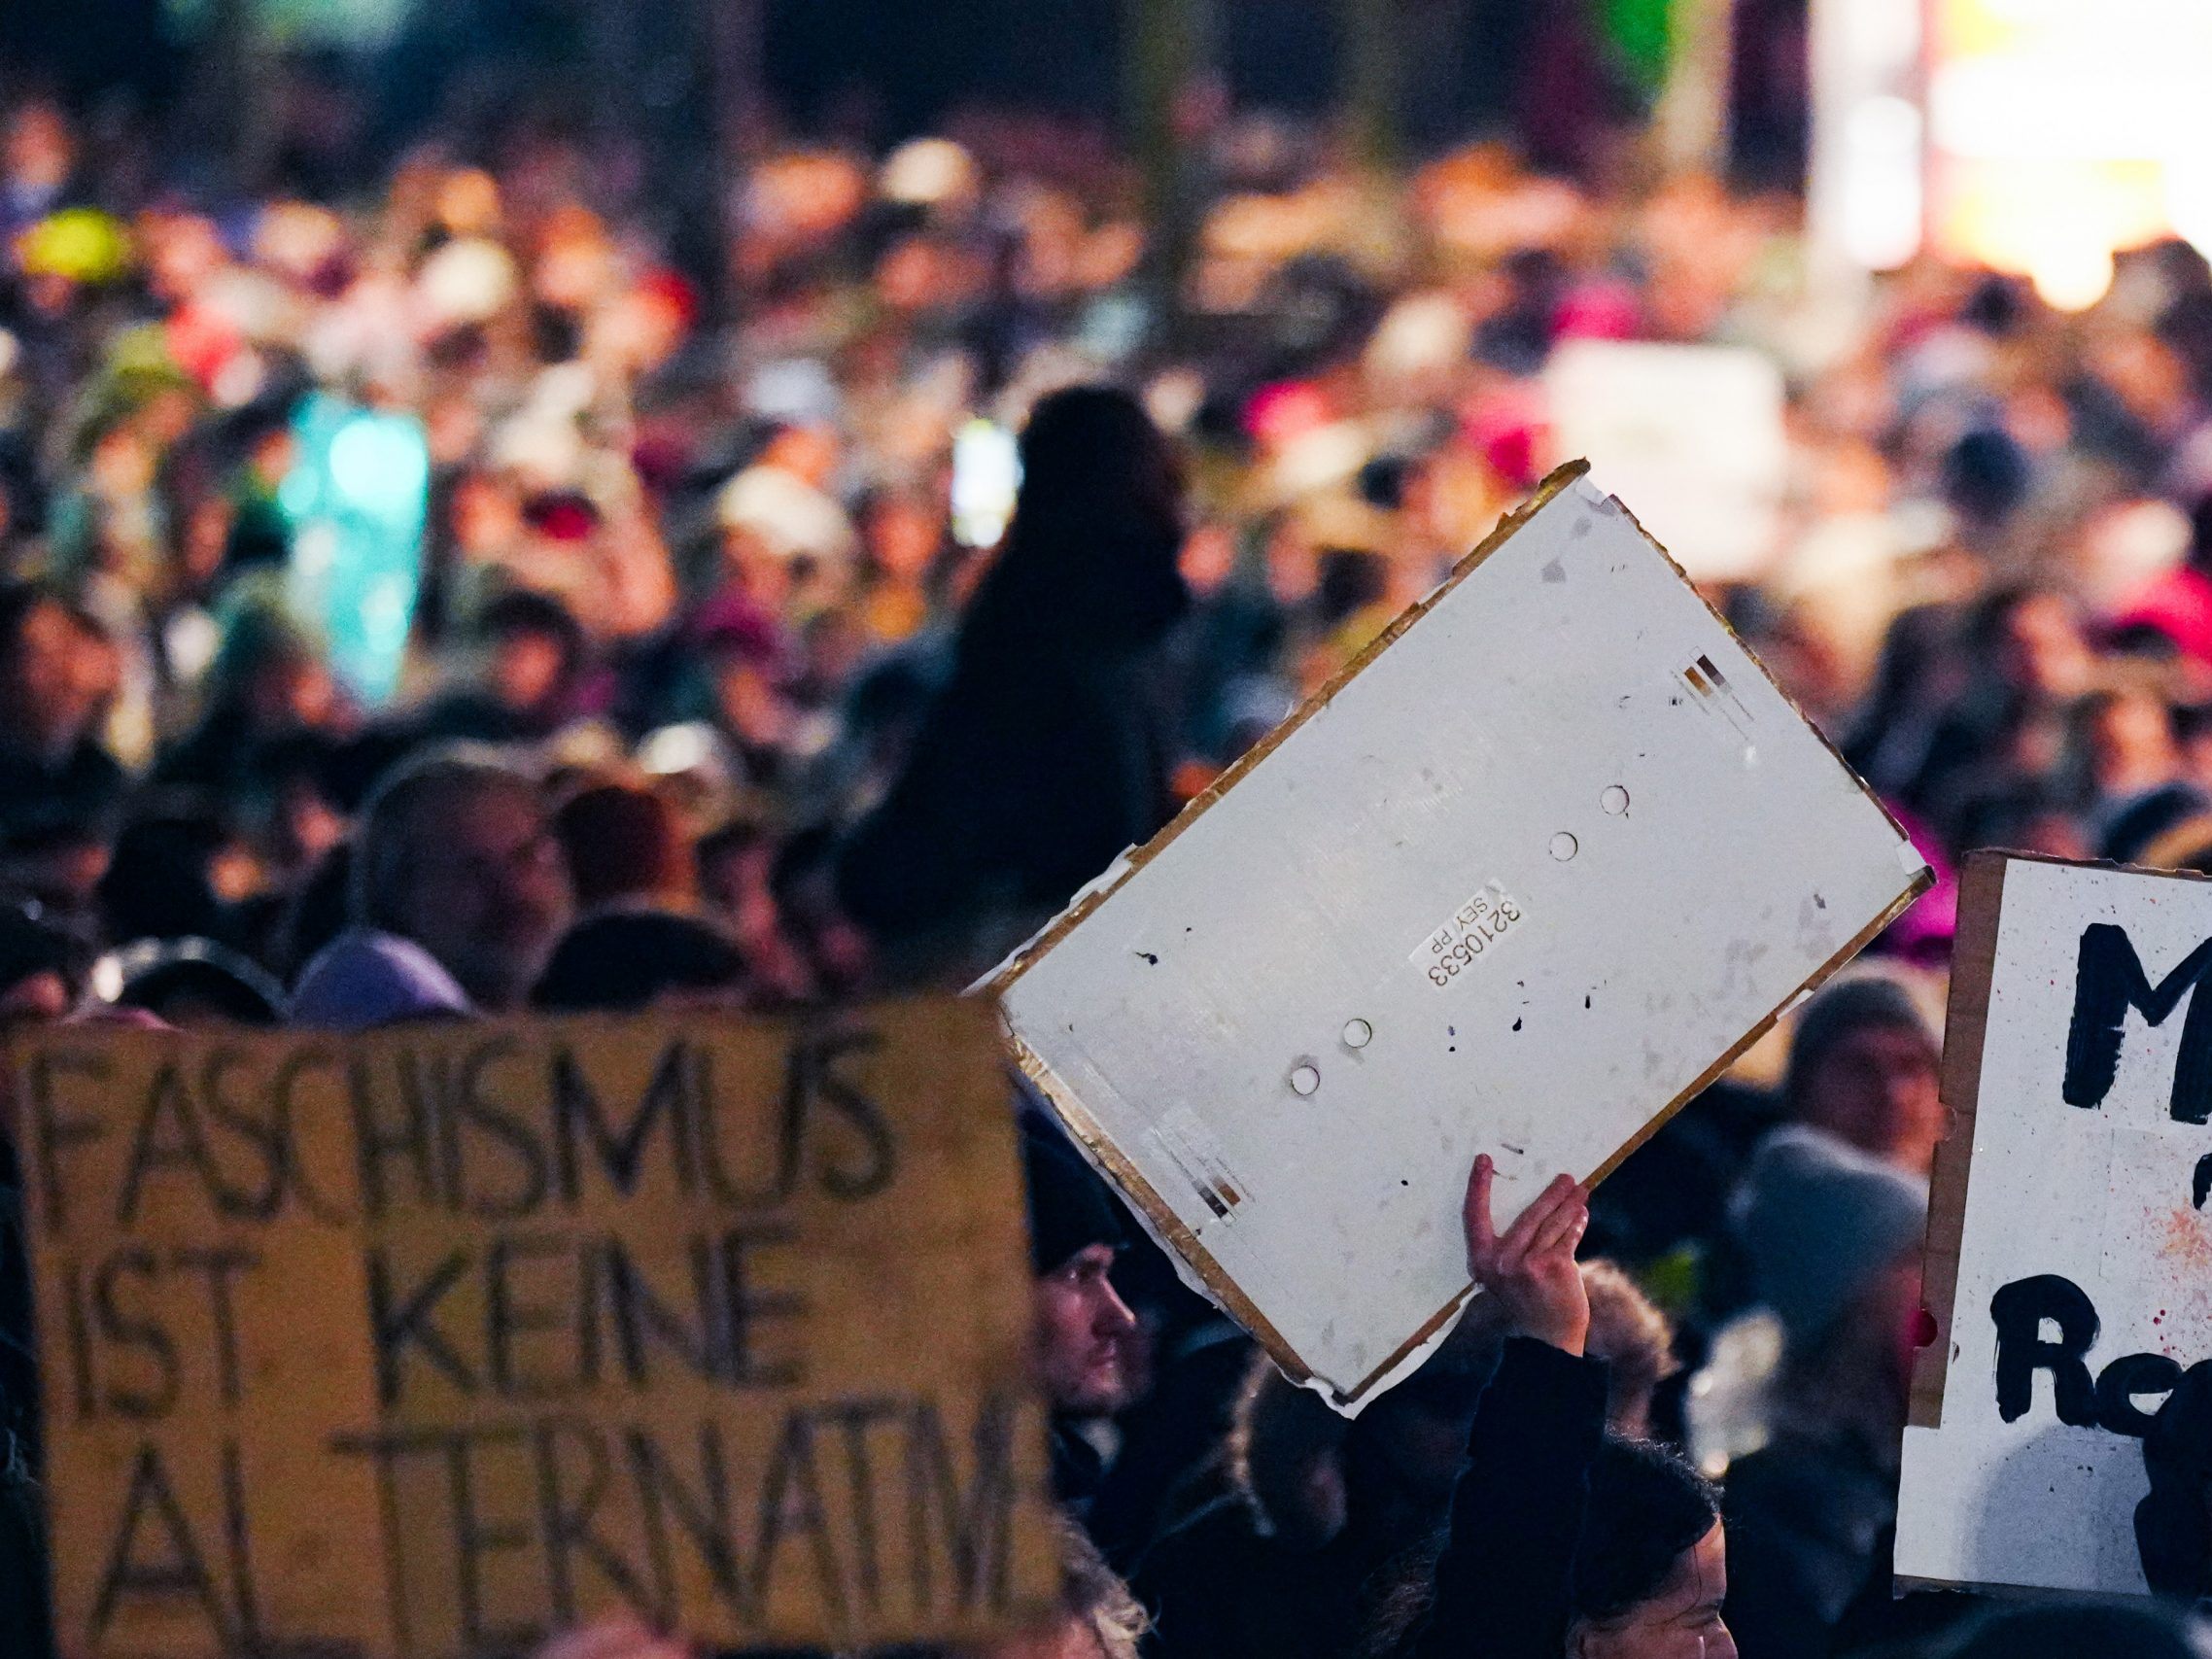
40 969
1566 1541
1082 1328
625 960
531 660
2173 1522
1049 752
52 767
1314 1522
268 695
1832 1236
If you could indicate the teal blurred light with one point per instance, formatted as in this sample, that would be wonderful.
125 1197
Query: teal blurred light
357 500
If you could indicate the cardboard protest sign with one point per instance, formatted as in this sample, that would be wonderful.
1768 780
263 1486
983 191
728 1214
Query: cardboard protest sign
1523 880
1694 436
415 1345
2068 1243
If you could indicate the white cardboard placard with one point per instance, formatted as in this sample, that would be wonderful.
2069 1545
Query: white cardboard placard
1523 880
2056 1173
1694 436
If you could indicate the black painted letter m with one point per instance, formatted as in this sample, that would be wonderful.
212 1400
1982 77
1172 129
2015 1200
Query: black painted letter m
2108 980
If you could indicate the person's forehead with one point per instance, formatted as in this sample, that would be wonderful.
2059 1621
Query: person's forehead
1890 1040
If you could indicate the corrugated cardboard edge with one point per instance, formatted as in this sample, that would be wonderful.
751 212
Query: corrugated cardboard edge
1153 1210
1159 1218
1965 1030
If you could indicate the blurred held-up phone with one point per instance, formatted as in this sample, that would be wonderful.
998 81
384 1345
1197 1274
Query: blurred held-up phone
986 472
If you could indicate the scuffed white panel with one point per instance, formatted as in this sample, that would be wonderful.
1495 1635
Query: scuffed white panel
1518 886
2101 1197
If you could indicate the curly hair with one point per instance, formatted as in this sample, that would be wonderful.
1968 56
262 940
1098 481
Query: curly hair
1647 1508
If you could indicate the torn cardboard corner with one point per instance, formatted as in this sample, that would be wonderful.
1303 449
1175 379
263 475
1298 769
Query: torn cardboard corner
1522 880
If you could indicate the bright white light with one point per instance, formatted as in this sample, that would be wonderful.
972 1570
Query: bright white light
1882 182
986 474
2188 194
677 749
2072 274
2055 111
105 979
1865 203
377 463
2060 132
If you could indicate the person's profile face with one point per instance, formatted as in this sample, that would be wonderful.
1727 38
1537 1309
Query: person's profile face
2133 728
1681 1621
1083 1331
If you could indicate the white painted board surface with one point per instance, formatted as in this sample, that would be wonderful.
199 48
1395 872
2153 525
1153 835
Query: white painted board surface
2100 1197
1521 884
1692 436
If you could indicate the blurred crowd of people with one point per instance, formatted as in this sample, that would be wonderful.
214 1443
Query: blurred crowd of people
817 625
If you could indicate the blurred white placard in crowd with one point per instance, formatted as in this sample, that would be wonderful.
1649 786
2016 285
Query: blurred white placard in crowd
1522 880
2068 1241
1692 436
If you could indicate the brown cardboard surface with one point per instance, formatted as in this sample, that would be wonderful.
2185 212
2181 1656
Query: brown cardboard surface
722 1322
1966 1019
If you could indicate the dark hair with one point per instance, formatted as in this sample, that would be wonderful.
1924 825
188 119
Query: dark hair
1987 476
318 913
625 960
158 884
1648 1510
1987 618
1089 556
1996 305
522 612
30 945
19 599
261 635
622 842
1350 579
2172 1532
2200 533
